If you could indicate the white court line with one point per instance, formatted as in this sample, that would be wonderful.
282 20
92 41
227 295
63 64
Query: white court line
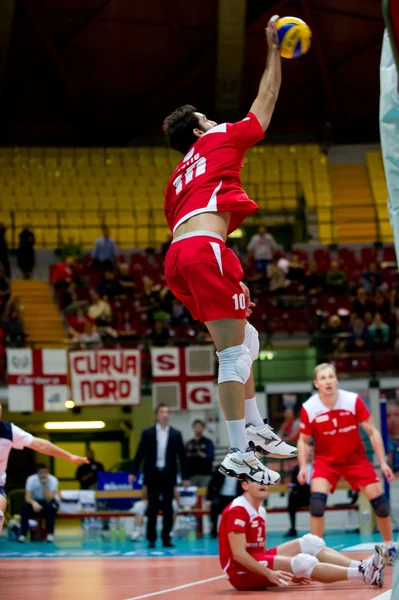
179 587
385 596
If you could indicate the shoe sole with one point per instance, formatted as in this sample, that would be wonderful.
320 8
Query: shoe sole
262 452
384 557
244 476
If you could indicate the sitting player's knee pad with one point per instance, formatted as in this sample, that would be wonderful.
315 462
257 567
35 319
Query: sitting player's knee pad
234 364
317 504
251 340
311 544
140 507
302 565
381 506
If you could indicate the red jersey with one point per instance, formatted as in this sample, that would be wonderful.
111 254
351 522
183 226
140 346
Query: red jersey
335 431
208 177
241 516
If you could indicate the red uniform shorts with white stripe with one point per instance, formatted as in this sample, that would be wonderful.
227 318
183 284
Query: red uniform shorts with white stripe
205 275
358 473
247 580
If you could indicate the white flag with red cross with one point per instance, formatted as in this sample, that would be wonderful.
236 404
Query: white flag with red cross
183 378
37 379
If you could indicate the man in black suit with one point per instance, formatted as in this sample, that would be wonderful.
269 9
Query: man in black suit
221 491
159 448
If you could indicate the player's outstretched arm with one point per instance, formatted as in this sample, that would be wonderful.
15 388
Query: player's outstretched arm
270 83
46 447
378 447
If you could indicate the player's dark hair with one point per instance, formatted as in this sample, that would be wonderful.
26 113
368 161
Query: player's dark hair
160 406
198 421
41 466
178 128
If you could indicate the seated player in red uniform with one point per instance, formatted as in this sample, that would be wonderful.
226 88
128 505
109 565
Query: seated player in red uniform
250 566
332 417
204 202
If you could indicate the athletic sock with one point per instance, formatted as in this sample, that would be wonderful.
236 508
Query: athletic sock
355 564
390 544
1 520
236 430
354 574
252 414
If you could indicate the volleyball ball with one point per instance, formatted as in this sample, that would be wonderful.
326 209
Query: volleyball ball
294 37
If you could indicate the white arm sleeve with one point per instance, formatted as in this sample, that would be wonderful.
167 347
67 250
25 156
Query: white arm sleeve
20 438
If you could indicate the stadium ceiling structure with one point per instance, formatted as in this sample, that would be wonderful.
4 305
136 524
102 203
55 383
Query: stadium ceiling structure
108 71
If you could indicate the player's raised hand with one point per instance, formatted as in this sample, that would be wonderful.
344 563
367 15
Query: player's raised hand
78 459
302 476
248 303
280 578
271 33
387 472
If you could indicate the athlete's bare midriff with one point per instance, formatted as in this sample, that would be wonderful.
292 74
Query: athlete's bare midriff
216 222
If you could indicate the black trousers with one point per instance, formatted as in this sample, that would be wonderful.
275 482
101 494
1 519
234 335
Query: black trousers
297 498
163 486
217 507
49 511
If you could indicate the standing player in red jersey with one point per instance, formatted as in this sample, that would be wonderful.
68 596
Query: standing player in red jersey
332 417
250 566
204 202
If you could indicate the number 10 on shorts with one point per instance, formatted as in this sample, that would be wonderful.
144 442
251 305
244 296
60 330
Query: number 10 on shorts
239 301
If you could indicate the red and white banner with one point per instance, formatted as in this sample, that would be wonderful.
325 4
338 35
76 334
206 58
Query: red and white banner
183 378
37 380
105 377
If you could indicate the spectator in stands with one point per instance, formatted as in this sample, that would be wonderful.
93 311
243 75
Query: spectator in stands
361 304
4 260
70 301
299 495
13 327
261 247
13 305
100 311
63 273
178 313
289 430
87 474
296 271
40 499
125 327
358 334
104 253
382 305
200 453
221 491
72 248
26 252
315 282
334 335
337 282
91 338
277 279
371 279
5 292
108 287
126 283
160 336
379 333
76 325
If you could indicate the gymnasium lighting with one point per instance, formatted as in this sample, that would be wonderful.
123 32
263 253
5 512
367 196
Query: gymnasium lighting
69 404
74 425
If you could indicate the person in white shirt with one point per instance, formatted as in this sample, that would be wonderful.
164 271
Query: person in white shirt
261 247
40 499
12 436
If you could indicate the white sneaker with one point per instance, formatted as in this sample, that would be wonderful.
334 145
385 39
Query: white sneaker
22 539
374 567
137 536
50 538
267 443
246 465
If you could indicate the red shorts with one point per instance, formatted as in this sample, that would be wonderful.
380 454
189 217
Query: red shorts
247 580
358 474
206 276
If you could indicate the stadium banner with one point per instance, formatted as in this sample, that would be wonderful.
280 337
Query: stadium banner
183 378
105 377
37 380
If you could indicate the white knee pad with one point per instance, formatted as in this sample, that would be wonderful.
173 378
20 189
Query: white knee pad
234 364
251 340
302 565
311 544
140 507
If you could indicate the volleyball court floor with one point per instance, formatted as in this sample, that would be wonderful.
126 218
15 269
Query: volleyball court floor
77 570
